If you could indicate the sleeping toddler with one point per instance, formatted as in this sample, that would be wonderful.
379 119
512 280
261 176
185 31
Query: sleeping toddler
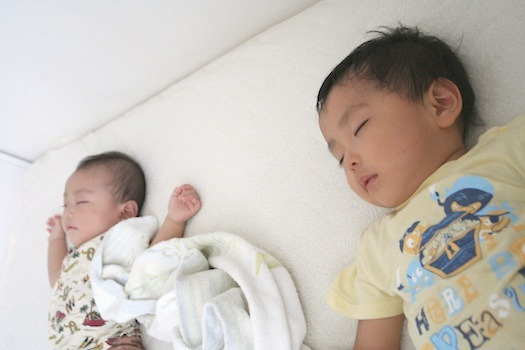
450 256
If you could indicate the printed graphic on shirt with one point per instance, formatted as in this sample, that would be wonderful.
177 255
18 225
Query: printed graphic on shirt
452 245
465 234
75 322
418 278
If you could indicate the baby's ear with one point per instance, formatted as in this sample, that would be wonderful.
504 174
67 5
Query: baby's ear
446 101
129 209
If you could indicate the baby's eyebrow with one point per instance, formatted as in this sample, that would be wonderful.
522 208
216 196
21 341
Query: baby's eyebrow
80 191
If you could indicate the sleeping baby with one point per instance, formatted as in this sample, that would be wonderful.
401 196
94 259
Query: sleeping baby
104 190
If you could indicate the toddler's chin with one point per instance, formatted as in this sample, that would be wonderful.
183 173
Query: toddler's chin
389 202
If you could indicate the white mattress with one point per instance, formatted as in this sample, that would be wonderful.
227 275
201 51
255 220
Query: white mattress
243 130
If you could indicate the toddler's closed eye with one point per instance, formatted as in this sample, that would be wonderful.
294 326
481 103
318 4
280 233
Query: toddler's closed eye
360 126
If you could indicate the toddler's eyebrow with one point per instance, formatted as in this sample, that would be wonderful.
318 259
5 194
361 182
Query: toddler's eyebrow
349 112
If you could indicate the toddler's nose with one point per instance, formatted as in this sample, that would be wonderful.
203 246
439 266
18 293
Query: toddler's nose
352 161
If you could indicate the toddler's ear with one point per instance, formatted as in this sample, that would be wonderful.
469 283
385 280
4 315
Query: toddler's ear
129 209
446 101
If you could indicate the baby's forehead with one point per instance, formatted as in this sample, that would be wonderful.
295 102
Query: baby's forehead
88 178
96 171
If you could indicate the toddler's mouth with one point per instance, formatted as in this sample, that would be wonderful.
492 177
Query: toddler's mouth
366 181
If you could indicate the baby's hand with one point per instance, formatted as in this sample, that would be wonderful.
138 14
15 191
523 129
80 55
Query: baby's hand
54 227
184 204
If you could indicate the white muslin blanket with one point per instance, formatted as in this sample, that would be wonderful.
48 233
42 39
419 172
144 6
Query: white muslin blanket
210 291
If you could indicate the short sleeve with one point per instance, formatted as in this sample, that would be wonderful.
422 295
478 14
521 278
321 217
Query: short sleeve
355 297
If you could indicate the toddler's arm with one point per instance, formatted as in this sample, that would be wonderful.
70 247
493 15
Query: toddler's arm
380 334
56 249
183 205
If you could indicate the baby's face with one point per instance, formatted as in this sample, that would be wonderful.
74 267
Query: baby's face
384 142
89 207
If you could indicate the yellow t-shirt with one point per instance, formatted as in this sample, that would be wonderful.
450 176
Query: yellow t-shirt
452 257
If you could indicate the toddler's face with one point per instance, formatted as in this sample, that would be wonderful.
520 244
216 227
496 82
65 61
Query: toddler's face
89 207
383 141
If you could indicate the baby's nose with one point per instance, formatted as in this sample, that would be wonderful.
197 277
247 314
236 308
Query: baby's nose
68 212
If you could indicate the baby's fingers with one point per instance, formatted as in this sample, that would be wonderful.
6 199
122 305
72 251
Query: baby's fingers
51 222
185 190
181 188
194 204
55 219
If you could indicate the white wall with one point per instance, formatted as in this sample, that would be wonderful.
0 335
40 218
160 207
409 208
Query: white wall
68 67
12 172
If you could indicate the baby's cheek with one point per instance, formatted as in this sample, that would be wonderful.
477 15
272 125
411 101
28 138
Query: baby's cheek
62 225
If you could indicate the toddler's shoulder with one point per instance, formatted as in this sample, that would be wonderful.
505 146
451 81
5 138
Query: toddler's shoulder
513 128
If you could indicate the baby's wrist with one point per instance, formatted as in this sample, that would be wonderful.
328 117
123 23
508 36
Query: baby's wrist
175 222
56 238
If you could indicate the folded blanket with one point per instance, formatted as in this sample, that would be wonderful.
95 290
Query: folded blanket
210 291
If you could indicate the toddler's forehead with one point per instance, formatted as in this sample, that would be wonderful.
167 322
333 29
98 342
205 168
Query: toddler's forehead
349 92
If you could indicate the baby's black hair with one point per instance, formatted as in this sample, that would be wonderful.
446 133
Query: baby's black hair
403 60
128 182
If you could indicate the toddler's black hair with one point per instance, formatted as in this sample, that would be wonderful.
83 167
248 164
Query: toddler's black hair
405 61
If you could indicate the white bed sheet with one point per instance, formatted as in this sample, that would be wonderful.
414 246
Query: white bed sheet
243 130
